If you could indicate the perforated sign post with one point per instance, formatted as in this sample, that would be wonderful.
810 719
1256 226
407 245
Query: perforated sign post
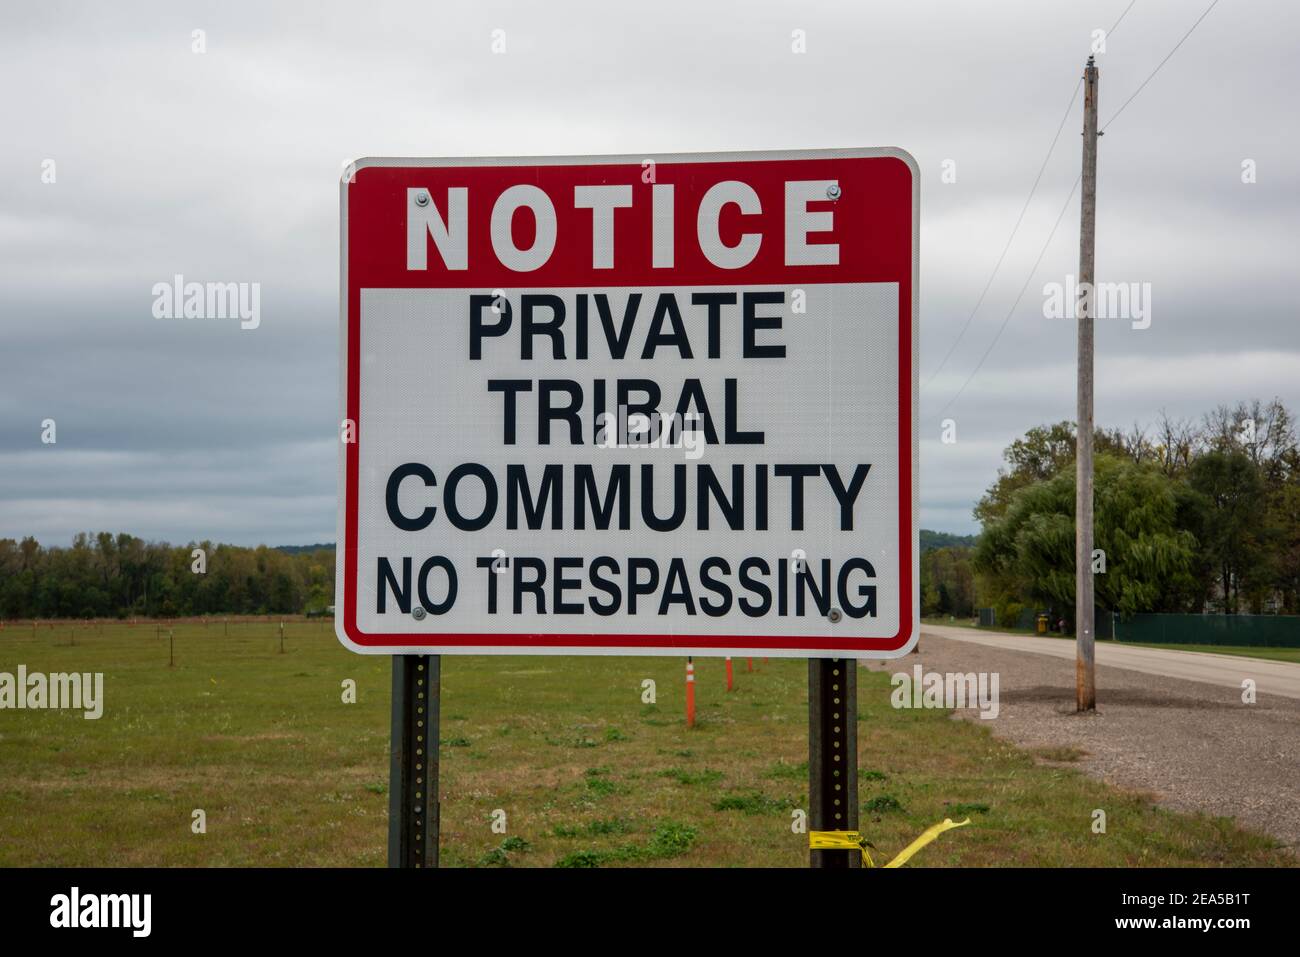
657 405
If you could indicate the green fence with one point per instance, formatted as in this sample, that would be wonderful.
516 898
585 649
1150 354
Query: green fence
1104 624
1260 631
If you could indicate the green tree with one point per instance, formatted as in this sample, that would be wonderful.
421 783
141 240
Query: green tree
1040 455
1284 517
948 582
1227 516
102 575
1029 551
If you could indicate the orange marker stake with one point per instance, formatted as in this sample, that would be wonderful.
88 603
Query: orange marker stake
750 664
728 673
690 693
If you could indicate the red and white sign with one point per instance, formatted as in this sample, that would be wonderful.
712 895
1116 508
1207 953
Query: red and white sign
626 405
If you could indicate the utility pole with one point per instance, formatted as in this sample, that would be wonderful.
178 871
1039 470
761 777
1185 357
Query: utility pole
1084 610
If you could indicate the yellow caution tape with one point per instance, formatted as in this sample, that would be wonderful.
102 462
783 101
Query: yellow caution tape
854 841
928 835
840 841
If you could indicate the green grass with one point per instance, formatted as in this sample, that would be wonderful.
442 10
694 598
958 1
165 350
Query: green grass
597 828
1062 754
886 804
587 774
753 802
705 776
1250 651
670 839
1270 654
973 626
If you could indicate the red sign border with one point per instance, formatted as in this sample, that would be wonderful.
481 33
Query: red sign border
630 644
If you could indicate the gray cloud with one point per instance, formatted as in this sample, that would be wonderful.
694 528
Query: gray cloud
224 167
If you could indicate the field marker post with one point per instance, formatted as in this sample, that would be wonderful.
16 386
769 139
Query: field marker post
281 636
729 681
833 755
690 692
413 767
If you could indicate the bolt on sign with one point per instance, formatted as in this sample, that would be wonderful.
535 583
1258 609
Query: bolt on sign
627 405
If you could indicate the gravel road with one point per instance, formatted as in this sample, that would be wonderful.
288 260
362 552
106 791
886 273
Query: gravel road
1192 744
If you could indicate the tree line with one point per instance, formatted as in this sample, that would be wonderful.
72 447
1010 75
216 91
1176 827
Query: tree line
119 576
1191 516
1199 516
947 578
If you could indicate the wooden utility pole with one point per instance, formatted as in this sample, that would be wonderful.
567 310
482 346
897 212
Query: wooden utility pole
1084 610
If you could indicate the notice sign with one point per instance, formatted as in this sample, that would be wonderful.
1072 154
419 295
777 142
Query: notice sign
630 405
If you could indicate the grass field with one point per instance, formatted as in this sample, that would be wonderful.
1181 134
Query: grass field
587 774
968 623
1270 654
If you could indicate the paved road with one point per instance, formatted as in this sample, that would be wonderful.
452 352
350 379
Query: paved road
1271 677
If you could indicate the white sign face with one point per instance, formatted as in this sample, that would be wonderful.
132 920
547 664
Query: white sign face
630 406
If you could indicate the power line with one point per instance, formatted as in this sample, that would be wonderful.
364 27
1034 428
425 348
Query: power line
1010 312
1061 215
1019 219
1057 224
1121 18
1069 108
1142 86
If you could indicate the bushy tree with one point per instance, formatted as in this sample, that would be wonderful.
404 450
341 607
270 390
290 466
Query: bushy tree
947 582
1229 518
1029 551
1235 479
1041 454
108 575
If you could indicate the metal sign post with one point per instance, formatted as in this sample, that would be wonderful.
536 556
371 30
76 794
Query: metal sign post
833 755
413 770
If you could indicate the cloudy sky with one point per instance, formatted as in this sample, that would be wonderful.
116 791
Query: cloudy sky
223 165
